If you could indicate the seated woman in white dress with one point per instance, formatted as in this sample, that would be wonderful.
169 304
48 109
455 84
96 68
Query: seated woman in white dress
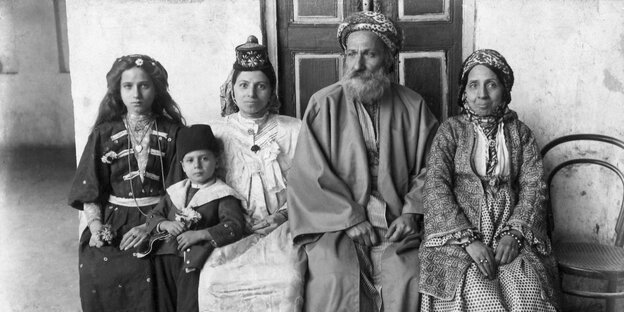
262 272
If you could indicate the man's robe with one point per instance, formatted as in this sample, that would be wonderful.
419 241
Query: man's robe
329 188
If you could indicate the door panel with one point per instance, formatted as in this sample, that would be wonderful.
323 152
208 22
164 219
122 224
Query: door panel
309 55
426 72
424 10
326 11
314 71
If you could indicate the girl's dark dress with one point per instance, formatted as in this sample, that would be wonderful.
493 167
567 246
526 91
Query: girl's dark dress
111 279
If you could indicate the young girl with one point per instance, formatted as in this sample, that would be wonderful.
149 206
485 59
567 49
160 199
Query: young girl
199 214
119 179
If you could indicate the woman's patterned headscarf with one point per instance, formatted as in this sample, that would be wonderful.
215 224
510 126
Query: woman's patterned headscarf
250 56
492 60
390 33
489 124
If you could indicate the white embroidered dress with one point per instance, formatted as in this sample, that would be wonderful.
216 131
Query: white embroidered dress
258 273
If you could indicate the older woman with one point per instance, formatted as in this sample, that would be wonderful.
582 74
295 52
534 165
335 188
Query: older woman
263 271
486 247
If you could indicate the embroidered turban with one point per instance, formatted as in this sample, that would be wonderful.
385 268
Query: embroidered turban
492 60
390 33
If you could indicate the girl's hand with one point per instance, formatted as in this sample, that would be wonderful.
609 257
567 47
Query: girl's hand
483 256
269 224
174 228
188 239
507 250
94 227
134 237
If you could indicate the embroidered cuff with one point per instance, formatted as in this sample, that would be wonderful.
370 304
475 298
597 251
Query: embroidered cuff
92 212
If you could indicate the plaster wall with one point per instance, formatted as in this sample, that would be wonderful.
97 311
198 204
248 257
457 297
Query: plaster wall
193 39
35 101
568 61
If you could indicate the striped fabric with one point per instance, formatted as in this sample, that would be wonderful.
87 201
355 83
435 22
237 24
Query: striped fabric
370 258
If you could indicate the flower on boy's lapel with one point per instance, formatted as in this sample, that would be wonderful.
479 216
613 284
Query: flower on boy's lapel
188 216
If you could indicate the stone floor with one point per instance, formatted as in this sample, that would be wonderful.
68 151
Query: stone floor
38 231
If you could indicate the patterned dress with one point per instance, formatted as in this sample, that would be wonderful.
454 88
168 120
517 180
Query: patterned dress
257 273
460 200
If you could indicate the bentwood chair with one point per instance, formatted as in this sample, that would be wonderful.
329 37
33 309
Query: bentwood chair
591 260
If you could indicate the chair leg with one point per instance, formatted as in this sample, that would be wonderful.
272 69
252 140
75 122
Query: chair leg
611 287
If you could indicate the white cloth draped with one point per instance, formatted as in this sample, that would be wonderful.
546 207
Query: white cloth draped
257 273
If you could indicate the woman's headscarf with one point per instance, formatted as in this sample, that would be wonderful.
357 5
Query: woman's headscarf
495 62
250 56
489 124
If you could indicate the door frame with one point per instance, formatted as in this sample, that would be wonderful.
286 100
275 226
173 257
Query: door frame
268 11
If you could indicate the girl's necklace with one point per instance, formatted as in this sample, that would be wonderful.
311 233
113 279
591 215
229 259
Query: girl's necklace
141 128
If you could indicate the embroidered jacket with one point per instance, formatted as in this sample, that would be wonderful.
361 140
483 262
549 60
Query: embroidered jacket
454 192
107 164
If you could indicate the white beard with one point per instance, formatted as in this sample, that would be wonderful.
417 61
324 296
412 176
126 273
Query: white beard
364 86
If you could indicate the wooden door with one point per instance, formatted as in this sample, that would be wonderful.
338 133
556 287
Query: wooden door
309 56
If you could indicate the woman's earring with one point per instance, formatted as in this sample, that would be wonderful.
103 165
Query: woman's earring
233 98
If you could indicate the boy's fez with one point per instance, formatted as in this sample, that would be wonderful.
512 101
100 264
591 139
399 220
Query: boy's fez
194 138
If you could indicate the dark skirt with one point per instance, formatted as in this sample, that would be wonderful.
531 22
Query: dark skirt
111 279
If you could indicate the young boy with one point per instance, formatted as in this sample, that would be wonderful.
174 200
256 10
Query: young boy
199 213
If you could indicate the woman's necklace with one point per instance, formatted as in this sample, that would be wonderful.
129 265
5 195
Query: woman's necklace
254 148
256 126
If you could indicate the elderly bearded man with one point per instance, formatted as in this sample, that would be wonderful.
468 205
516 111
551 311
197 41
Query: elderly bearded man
354 190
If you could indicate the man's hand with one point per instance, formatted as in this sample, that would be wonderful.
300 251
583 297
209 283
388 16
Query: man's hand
402 226
363 233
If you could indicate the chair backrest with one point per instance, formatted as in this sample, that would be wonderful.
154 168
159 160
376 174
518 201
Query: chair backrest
619 231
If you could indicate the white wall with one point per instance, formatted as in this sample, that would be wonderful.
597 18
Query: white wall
568 60
194 40
35 101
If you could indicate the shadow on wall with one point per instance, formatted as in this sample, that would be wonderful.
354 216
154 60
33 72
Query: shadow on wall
38 234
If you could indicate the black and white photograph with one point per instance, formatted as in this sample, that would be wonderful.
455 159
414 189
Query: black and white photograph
311 155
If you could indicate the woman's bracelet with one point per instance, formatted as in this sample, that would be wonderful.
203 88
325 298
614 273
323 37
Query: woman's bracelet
514 236
465 244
